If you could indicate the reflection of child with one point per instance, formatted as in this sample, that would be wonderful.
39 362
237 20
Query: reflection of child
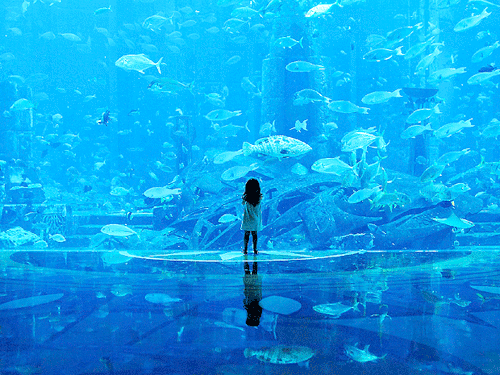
252 217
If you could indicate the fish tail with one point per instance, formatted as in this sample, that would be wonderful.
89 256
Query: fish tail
190 87
397 93
248 353
364 110
399 52
158 65
301 39
247 148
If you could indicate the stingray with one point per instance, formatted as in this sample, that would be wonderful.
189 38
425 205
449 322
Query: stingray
30 301
280 305
454 221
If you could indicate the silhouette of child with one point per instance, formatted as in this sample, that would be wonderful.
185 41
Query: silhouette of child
252 216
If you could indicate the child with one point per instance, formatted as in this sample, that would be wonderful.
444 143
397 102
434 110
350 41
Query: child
252 217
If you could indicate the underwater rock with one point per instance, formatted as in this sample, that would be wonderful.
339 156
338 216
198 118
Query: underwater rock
353 241
17 236
323 219
416 231
33 193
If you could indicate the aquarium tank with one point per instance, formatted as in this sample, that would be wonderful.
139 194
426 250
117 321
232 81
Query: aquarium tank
135 136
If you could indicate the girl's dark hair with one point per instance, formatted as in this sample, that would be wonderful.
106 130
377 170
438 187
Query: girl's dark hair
252 192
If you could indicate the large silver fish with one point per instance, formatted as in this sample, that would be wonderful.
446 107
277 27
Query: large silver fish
281 354
137 62
279 146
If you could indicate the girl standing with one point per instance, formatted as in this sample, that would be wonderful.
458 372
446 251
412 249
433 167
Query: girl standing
252 216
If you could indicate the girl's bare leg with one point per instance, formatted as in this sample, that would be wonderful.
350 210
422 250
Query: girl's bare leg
254 238
246 238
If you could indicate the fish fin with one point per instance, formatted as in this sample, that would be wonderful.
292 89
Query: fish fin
248 353
246 148
158 65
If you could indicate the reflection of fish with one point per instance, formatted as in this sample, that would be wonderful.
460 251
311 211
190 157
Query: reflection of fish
107 362
281 354
361 355
335 309
161 298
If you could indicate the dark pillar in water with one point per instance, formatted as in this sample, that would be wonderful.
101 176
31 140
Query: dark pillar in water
318 113
273 91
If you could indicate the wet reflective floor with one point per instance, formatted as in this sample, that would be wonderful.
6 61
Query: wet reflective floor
73 311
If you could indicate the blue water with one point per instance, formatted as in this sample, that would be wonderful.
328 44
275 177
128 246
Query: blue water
84 136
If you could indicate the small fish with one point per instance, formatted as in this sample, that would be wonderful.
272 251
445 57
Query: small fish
21 105
288 42
382 54
471 21
267 129
303 67
117 230
221 115
379 97
344 106
100 11
57 237
332 165
238 171
300 125
299 169
134 112
431 173
104 118
321 9
415 130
